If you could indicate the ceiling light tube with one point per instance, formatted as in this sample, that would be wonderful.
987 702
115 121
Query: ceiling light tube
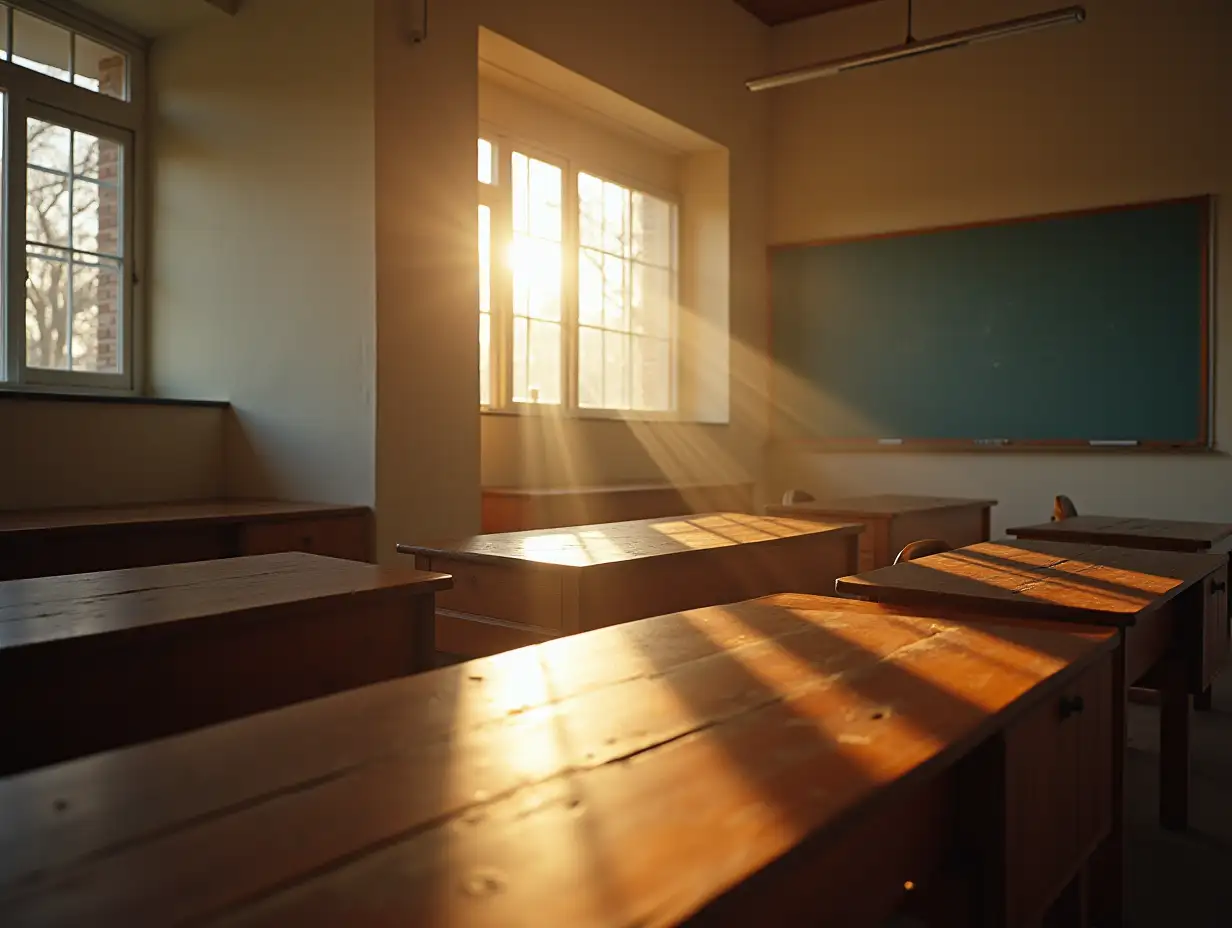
1070 14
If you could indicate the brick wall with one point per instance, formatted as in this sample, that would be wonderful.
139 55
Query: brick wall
110 230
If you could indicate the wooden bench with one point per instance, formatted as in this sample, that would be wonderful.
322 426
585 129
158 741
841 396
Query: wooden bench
894 520
521 588
515 509
1159 601
41 543
800 761
93 661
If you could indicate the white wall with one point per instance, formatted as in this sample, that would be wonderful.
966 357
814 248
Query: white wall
262 285
64 452
1134 105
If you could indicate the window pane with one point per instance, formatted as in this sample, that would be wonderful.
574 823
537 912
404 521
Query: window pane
545 184
652 230
47 213
615 370
40 46
485 305
652 374
544 377
99 68
47 323
520 182
485 161
74 215
652 301
590 210
615 296
536 278
48 146
520 360
590 287
590 367
485 259
615 217
96 317
485 359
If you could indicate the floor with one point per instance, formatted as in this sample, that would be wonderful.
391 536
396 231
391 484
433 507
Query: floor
1166 868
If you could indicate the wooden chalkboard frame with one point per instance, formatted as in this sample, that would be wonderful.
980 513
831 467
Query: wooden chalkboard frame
1203 443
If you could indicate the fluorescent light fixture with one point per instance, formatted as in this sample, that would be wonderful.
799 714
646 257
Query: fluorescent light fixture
1070 14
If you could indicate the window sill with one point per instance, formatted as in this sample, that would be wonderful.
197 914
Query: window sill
121 399
597 415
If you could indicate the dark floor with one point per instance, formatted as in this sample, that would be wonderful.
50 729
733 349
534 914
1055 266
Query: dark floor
1182 880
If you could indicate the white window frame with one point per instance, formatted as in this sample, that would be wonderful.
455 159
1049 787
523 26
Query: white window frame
497 196
31 94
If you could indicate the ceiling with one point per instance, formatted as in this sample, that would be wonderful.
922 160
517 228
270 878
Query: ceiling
152 18
773 12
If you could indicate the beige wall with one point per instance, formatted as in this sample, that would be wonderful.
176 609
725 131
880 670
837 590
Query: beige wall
262 284
69 453
686 61
1131 106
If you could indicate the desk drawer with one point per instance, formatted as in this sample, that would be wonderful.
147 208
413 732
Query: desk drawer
529 596
340 536
1216 633
1058 791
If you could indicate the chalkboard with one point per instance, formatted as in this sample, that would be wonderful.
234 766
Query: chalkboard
1062 329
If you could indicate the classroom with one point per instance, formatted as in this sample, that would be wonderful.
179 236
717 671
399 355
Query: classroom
734 462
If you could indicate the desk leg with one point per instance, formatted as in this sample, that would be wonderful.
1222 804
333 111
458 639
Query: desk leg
423 633
1174 747
1202 702
1105 876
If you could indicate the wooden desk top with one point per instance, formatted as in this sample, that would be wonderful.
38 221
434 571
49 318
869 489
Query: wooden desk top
879 506
611 488
631 775
47 609
222 510
1160 534
1039 579
611 542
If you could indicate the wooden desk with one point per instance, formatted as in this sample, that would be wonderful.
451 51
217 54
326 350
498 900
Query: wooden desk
744 765
41 543
1156 535
522 588
516 509
892 521
1160 601
90 662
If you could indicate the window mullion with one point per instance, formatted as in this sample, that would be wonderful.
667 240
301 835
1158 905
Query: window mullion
15 236
502 284
570 255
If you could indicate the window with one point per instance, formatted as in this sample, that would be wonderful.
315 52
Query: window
68 259
577 309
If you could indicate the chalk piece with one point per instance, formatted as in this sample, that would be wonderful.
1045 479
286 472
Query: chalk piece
1112 444
889 441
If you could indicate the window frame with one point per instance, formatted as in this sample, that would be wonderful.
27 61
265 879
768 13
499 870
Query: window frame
498 197
29 93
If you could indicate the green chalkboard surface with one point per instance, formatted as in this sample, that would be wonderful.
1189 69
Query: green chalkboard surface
1068 328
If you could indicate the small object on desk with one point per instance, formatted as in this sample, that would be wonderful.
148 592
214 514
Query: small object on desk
1063 508
792 762
922 548
90 662
520 588
791 497
894 520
